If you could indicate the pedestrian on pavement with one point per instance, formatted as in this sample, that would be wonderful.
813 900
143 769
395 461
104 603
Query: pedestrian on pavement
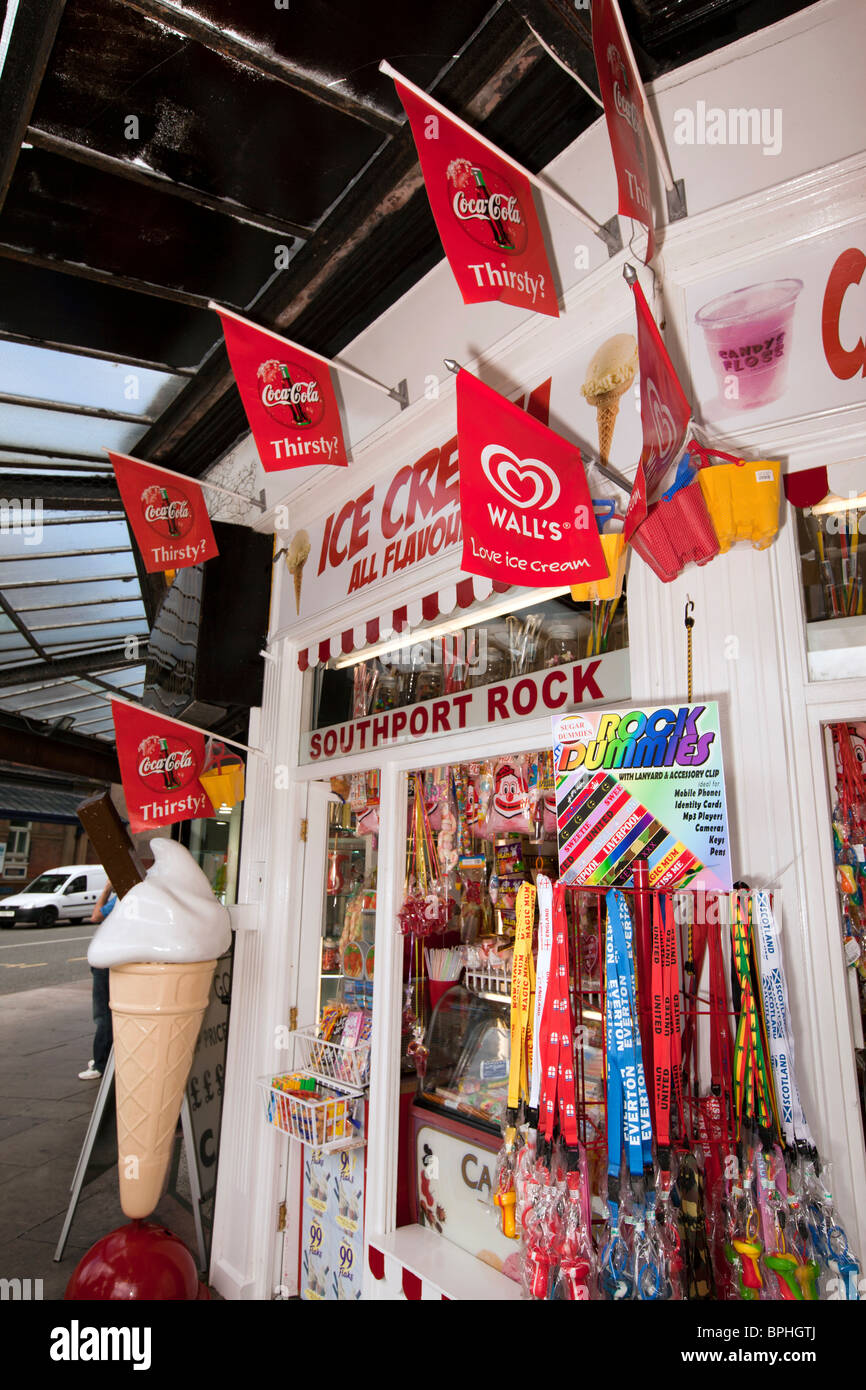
104 1036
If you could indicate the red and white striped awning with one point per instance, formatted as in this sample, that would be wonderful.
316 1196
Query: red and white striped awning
472 589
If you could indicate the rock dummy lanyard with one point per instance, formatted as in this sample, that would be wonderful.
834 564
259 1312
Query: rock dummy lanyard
522 1000
628 1110
558 1095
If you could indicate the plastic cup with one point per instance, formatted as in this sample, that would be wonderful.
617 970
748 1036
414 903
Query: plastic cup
748 337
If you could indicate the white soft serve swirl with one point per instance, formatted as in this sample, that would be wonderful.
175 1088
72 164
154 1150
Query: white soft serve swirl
171 917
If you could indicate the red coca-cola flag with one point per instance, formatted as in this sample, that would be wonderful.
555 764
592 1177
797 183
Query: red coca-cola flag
167 514
524 499
288 395
484 212
665 415
623 99
160 765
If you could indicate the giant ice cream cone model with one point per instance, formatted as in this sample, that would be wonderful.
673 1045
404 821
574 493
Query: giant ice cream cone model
160 945
157 1012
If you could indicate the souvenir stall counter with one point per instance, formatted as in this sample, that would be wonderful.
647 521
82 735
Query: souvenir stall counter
572 865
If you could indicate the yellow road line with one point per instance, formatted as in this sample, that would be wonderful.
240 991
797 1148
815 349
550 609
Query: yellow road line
30 965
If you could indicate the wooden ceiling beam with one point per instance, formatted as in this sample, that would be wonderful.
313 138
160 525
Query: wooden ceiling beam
30 44
161 183
107 277
266 62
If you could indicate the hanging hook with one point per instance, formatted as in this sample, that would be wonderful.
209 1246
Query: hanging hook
690 608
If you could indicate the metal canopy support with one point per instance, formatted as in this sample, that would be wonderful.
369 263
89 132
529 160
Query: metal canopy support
152 178
84 664
49 345
103 277
93 412
33 34
22 628
266 62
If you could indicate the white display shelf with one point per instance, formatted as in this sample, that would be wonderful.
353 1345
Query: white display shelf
326 1120
486 981
347 1068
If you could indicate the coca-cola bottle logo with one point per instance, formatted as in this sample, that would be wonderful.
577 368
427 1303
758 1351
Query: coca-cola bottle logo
291 394
487 207
167 510
166 762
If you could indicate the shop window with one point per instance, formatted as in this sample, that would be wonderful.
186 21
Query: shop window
449 658
17 850
832 544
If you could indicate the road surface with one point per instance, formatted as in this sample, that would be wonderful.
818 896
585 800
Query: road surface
33 957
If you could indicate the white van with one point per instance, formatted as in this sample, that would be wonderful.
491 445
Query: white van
70 891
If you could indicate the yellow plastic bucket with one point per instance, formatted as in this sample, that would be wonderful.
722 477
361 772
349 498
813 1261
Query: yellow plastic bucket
743 501
616 556
224 785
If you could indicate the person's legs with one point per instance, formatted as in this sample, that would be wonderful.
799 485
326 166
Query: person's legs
104 1036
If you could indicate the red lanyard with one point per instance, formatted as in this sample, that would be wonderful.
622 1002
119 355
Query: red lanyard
556 1040
667 1052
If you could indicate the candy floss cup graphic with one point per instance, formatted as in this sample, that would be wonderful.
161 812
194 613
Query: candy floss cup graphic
748 337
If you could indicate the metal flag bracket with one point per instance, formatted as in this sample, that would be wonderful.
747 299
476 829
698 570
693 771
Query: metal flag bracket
676 201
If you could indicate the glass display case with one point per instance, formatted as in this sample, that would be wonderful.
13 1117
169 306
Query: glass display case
468 1051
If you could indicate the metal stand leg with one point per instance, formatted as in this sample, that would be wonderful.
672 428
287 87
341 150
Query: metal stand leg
93 1128
194 1184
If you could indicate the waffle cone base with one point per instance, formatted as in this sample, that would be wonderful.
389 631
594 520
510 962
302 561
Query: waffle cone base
157 1012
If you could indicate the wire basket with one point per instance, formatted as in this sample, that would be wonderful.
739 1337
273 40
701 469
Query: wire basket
346 1067
325 1120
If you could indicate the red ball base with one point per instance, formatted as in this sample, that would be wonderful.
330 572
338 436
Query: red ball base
139 1262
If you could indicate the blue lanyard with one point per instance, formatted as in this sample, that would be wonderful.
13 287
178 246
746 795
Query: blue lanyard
628 1111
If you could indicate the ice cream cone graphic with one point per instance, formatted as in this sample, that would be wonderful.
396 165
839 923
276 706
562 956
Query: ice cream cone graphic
609 375
296 558
160 946
157 1012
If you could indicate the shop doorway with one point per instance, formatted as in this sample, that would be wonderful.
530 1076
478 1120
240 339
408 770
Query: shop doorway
321 1256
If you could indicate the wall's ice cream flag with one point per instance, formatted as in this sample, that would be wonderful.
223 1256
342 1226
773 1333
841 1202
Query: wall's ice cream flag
524 500
167 513
484 209
161 762
288 395
625 114
665 413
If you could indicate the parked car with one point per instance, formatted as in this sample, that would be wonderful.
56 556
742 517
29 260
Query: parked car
68 892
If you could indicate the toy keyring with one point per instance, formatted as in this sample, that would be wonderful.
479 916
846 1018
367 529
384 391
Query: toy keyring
648 1281
616 1280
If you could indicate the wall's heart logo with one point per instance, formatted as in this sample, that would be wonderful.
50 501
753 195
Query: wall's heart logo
665 430
524 483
